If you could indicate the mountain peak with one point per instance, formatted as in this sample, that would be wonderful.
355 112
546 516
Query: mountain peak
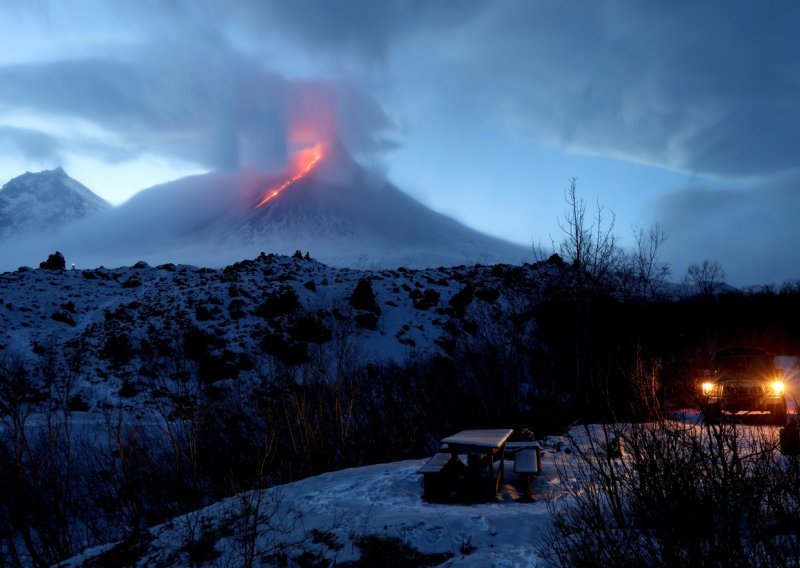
56 172
45 201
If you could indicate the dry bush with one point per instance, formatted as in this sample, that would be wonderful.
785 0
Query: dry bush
682 495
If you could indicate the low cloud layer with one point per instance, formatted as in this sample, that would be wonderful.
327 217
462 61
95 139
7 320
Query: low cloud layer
33 144
751 232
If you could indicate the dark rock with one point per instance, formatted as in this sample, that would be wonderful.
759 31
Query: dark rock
54 262
63 316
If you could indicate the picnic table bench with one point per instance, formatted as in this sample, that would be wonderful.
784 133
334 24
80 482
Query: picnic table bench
527 462
438 477
445 475
436 464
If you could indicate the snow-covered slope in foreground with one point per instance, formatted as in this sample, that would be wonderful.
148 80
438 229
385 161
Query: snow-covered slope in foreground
323 516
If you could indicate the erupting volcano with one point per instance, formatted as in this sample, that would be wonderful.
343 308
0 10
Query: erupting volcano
340 212
304 162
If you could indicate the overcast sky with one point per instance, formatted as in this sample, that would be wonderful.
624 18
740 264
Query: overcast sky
686 113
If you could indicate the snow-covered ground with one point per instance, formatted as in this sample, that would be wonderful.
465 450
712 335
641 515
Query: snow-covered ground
325 514
324 517
45 312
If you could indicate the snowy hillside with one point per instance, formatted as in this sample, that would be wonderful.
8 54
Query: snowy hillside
291 308
45 202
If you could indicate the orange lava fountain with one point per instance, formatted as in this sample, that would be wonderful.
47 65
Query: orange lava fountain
304 162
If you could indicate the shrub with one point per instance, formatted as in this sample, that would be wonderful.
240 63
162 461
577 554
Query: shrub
309 328
198 343
77 404
117 348
281 303
367 321
290 353
488 295
683 495
426 300
379 550
462 299
236 309
363 297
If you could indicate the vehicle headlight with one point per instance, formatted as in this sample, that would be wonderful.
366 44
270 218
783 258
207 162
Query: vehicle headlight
778 387
708 387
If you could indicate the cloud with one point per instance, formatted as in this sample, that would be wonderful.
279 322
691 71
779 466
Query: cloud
46 148
31 143
200 102
688 85
369 28
751 231
363 28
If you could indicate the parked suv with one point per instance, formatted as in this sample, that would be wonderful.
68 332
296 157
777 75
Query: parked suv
744 379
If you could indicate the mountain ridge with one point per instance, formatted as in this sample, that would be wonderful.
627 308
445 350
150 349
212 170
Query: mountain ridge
342 213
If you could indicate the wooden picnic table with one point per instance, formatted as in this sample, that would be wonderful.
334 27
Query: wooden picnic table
479 440
478 480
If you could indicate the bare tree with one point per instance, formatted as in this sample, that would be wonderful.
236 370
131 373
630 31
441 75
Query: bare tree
706 278
590 247
44 517
647 273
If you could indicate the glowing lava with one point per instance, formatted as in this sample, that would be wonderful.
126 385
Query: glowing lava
304 162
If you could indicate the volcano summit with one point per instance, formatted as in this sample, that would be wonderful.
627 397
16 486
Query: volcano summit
323 203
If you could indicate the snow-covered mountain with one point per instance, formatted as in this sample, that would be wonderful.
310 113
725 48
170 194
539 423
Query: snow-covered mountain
340 212
45 202
345 214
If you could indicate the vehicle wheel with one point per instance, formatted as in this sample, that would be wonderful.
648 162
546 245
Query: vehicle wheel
711 413
778 415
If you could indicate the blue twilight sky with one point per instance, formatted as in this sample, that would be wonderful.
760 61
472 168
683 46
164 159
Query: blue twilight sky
683 113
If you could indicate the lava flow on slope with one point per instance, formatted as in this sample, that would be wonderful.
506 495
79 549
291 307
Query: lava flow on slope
304 162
